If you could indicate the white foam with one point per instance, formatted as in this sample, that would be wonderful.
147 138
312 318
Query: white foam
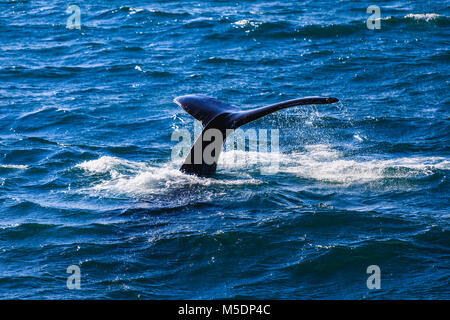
138 178
4 226
423 16
113 166
244 23
14 166
318 162
132 10
323 163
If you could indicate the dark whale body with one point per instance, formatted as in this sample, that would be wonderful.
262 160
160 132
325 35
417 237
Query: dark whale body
223 118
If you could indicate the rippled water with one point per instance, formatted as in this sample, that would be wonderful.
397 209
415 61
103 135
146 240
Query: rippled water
87 179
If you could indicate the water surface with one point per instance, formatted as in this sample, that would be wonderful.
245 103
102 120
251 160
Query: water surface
87 178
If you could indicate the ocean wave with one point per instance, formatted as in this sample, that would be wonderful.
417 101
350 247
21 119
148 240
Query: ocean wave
418 18
423 16
323 163
155 12
4 226
14 166
48 72
285 29
135 178
318 162
110 165
246 23
130 11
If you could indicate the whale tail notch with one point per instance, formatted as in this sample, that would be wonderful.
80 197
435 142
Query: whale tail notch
219 120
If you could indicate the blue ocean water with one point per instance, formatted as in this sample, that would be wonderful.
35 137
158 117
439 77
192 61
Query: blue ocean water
87 177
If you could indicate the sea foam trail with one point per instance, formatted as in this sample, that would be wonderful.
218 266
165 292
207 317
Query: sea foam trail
423 16
318 162
14 166
430 18
139 178
323 163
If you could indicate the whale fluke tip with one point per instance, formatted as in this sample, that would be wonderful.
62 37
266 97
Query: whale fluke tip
333 100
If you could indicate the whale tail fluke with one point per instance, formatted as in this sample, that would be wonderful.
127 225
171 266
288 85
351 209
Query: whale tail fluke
218 119
203 108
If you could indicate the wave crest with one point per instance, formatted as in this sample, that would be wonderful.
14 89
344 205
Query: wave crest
317 162
423 16
134 178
